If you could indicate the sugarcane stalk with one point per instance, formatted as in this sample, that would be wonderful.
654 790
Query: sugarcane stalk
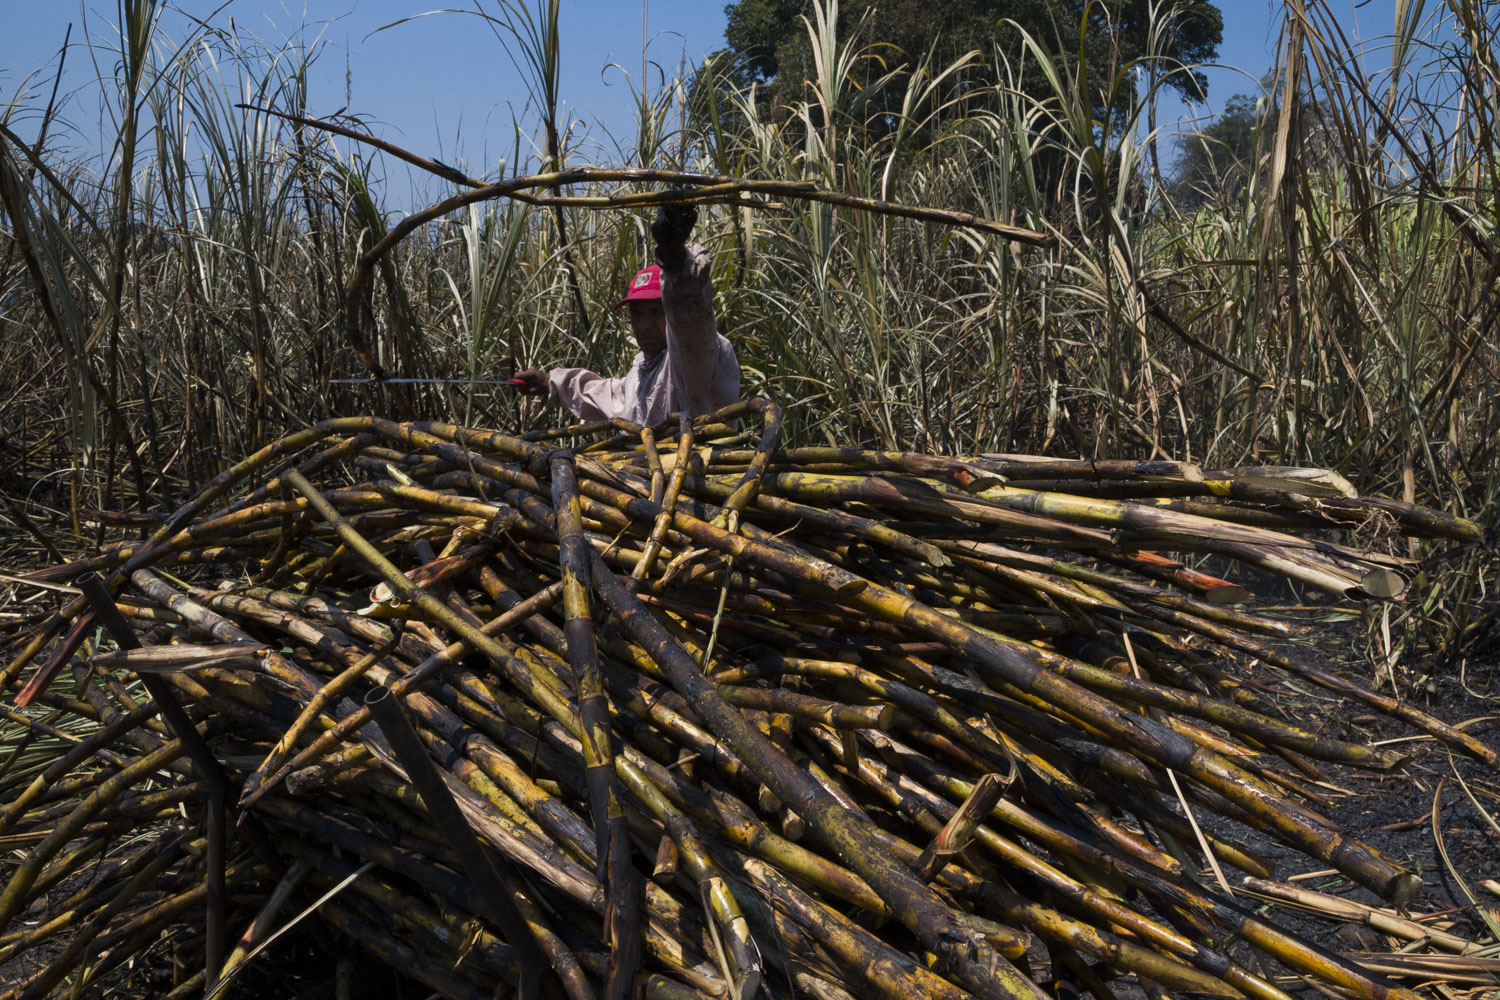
810 585
668 502
263 779
1085 895
16 891
214 489
653 464
987 975
165 852
260 926
401 956
889 973
743 971
445 811
667 934
613 850
1154 741
1436 728
959 830
115 944
544 693
320 701
82 750
203 759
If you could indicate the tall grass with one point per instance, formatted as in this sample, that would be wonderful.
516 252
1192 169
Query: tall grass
171 307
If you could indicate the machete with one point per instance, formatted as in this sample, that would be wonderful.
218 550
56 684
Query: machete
426 381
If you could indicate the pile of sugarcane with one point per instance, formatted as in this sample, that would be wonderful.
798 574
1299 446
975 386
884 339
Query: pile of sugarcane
680 710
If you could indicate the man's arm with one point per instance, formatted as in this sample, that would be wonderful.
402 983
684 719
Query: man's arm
687 294
585 394
589 396
687 297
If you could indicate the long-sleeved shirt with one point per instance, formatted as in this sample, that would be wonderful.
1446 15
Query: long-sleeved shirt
696 372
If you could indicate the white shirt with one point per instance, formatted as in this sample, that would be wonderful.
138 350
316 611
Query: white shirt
696 372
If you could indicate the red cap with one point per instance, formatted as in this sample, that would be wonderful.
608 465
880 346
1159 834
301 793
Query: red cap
645 285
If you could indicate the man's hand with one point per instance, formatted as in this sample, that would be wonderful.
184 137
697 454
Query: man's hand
533 382
674 224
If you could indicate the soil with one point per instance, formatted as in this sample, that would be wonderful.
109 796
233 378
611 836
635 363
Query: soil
1393 813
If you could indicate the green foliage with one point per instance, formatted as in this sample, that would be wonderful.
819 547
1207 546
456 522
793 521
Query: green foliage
1227 157
1219 158
766 37
756 29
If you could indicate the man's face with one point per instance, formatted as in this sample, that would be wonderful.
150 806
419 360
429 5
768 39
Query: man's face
648 321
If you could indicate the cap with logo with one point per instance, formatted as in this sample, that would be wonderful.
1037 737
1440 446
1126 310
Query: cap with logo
645 286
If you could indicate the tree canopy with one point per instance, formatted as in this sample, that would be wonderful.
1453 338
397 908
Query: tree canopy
766 36
1218 157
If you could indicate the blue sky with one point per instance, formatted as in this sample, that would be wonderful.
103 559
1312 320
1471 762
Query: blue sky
431 83
445 86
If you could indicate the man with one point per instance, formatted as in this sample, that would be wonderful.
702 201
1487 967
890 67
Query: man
683 362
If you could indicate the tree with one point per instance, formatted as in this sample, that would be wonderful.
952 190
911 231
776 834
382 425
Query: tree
1216 160
765 36
756 29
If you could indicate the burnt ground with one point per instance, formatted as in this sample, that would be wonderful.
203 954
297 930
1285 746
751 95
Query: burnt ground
1454 855
1394 812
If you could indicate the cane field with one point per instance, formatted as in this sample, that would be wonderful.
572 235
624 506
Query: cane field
1094 594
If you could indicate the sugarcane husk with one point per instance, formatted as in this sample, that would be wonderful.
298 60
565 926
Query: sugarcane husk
1336 907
